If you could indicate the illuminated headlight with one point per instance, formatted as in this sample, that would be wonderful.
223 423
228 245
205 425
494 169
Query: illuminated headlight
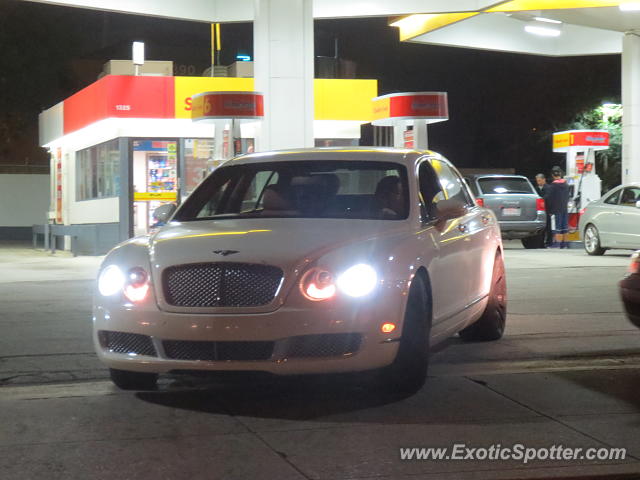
110 281
134 285
358 281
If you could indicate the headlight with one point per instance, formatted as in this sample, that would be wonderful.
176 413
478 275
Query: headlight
137 284
134 285
317 284
110 281
358 281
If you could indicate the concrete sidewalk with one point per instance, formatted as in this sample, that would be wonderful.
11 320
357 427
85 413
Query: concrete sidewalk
19 262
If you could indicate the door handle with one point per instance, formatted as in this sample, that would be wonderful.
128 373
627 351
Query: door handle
618 213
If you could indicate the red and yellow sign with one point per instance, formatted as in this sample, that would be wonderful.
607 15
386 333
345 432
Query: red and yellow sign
212 105
124 96
430 106
160 196
595 139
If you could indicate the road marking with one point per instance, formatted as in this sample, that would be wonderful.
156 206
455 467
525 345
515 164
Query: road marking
58 390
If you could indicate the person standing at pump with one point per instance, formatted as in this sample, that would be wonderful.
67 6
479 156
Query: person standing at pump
556 201
542 186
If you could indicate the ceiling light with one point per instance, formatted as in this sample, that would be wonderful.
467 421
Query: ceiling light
547 20
543 29
630 6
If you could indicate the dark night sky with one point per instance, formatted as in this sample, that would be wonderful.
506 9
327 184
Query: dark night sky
503 107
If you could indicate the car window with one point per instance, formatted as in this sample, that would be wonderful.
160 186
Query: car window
453 187
429 187
472 185
630 196
301 189
504 185
613 198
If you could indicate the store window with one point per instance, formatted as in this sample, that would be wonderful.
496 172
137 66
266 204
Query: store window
98 171
198 162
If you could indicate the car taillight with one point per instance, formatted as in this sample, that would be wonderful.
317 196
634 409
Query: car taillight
540 205
317 285
480 202
581 212
635 263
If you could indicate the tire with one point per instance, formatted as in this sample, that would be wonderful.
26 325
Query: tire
592 241
490 326
127 380
408 372
537 241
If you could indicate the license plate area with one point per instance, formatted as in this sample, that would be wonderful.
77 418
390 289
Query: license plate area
510 211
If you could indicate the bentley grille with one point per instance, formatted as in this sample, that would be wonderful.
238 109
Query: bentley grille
221 284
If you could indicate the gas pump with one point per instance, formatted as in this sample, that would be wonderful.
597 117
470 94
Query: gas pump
409 114
580 148
230 113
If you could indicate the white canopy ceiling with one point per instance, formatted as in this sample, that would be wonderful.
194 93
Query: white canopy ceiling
585 31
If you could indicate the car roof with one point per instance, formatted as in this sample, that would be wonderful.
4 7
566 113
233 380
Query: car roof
375 154
495 175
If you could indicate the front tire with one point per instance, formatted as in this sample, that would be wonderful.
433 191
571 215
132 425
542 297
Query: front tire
490 326
592 241
127 380
408 372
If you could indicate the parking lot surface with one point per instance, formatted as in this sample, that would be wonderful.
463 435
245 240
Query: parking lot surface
566 373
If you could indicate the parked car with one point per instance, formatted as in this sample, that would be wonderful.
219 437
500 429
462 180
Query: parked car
305 261
613 221
518 207
630 290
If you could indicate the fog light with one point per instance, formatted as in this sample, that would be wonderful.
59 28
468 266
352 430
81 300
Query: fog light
388 327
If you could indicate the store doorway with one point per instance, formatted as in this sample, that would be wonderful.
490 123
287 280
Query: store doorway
155 179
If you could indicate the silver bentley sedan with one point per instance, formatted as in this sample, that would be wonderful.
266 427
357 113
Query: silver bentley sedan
305 261
613 221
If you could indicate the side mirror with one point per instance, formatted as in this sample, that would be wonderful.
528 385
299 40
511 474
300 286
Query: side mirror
163 213
638 204
450 208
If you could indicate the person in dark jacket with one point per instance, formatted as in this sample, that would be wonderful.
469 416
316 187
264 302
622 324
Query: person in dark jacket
556 201
542 186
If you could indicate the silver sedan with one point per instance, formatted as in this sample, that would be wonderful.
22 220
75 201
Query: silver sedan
613 221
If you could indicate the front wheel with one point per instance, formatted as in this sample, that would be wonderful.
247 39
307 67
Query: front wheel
490 326
592 241
408 371
127 380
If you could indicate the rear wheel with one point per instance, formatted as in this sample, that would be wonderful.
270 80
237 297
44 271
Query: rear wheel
127 380
537 241
592 241
408 371
490 326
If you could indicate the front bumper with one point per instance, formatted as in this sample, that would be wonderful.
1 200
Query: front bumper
630 293
319 339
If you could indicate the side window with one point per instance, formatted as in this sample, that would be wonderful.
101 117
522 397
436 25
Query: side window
614 198
630 196
452 185
429 187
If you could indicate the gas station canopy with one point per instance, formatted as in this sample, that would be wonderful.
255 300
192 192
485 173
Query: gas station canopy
588 26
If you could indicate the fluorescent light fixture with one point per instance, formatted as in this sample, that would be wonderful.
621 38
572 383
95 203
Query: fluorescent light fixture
138 53
547 20
543 29
630 6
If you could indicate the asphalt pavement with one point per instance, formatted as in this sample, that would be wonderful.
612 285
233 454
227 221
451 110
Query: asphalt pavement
566 373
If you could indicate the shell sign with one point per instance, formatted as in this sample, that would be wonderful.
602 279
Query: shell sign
217 105
430 106
594 139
